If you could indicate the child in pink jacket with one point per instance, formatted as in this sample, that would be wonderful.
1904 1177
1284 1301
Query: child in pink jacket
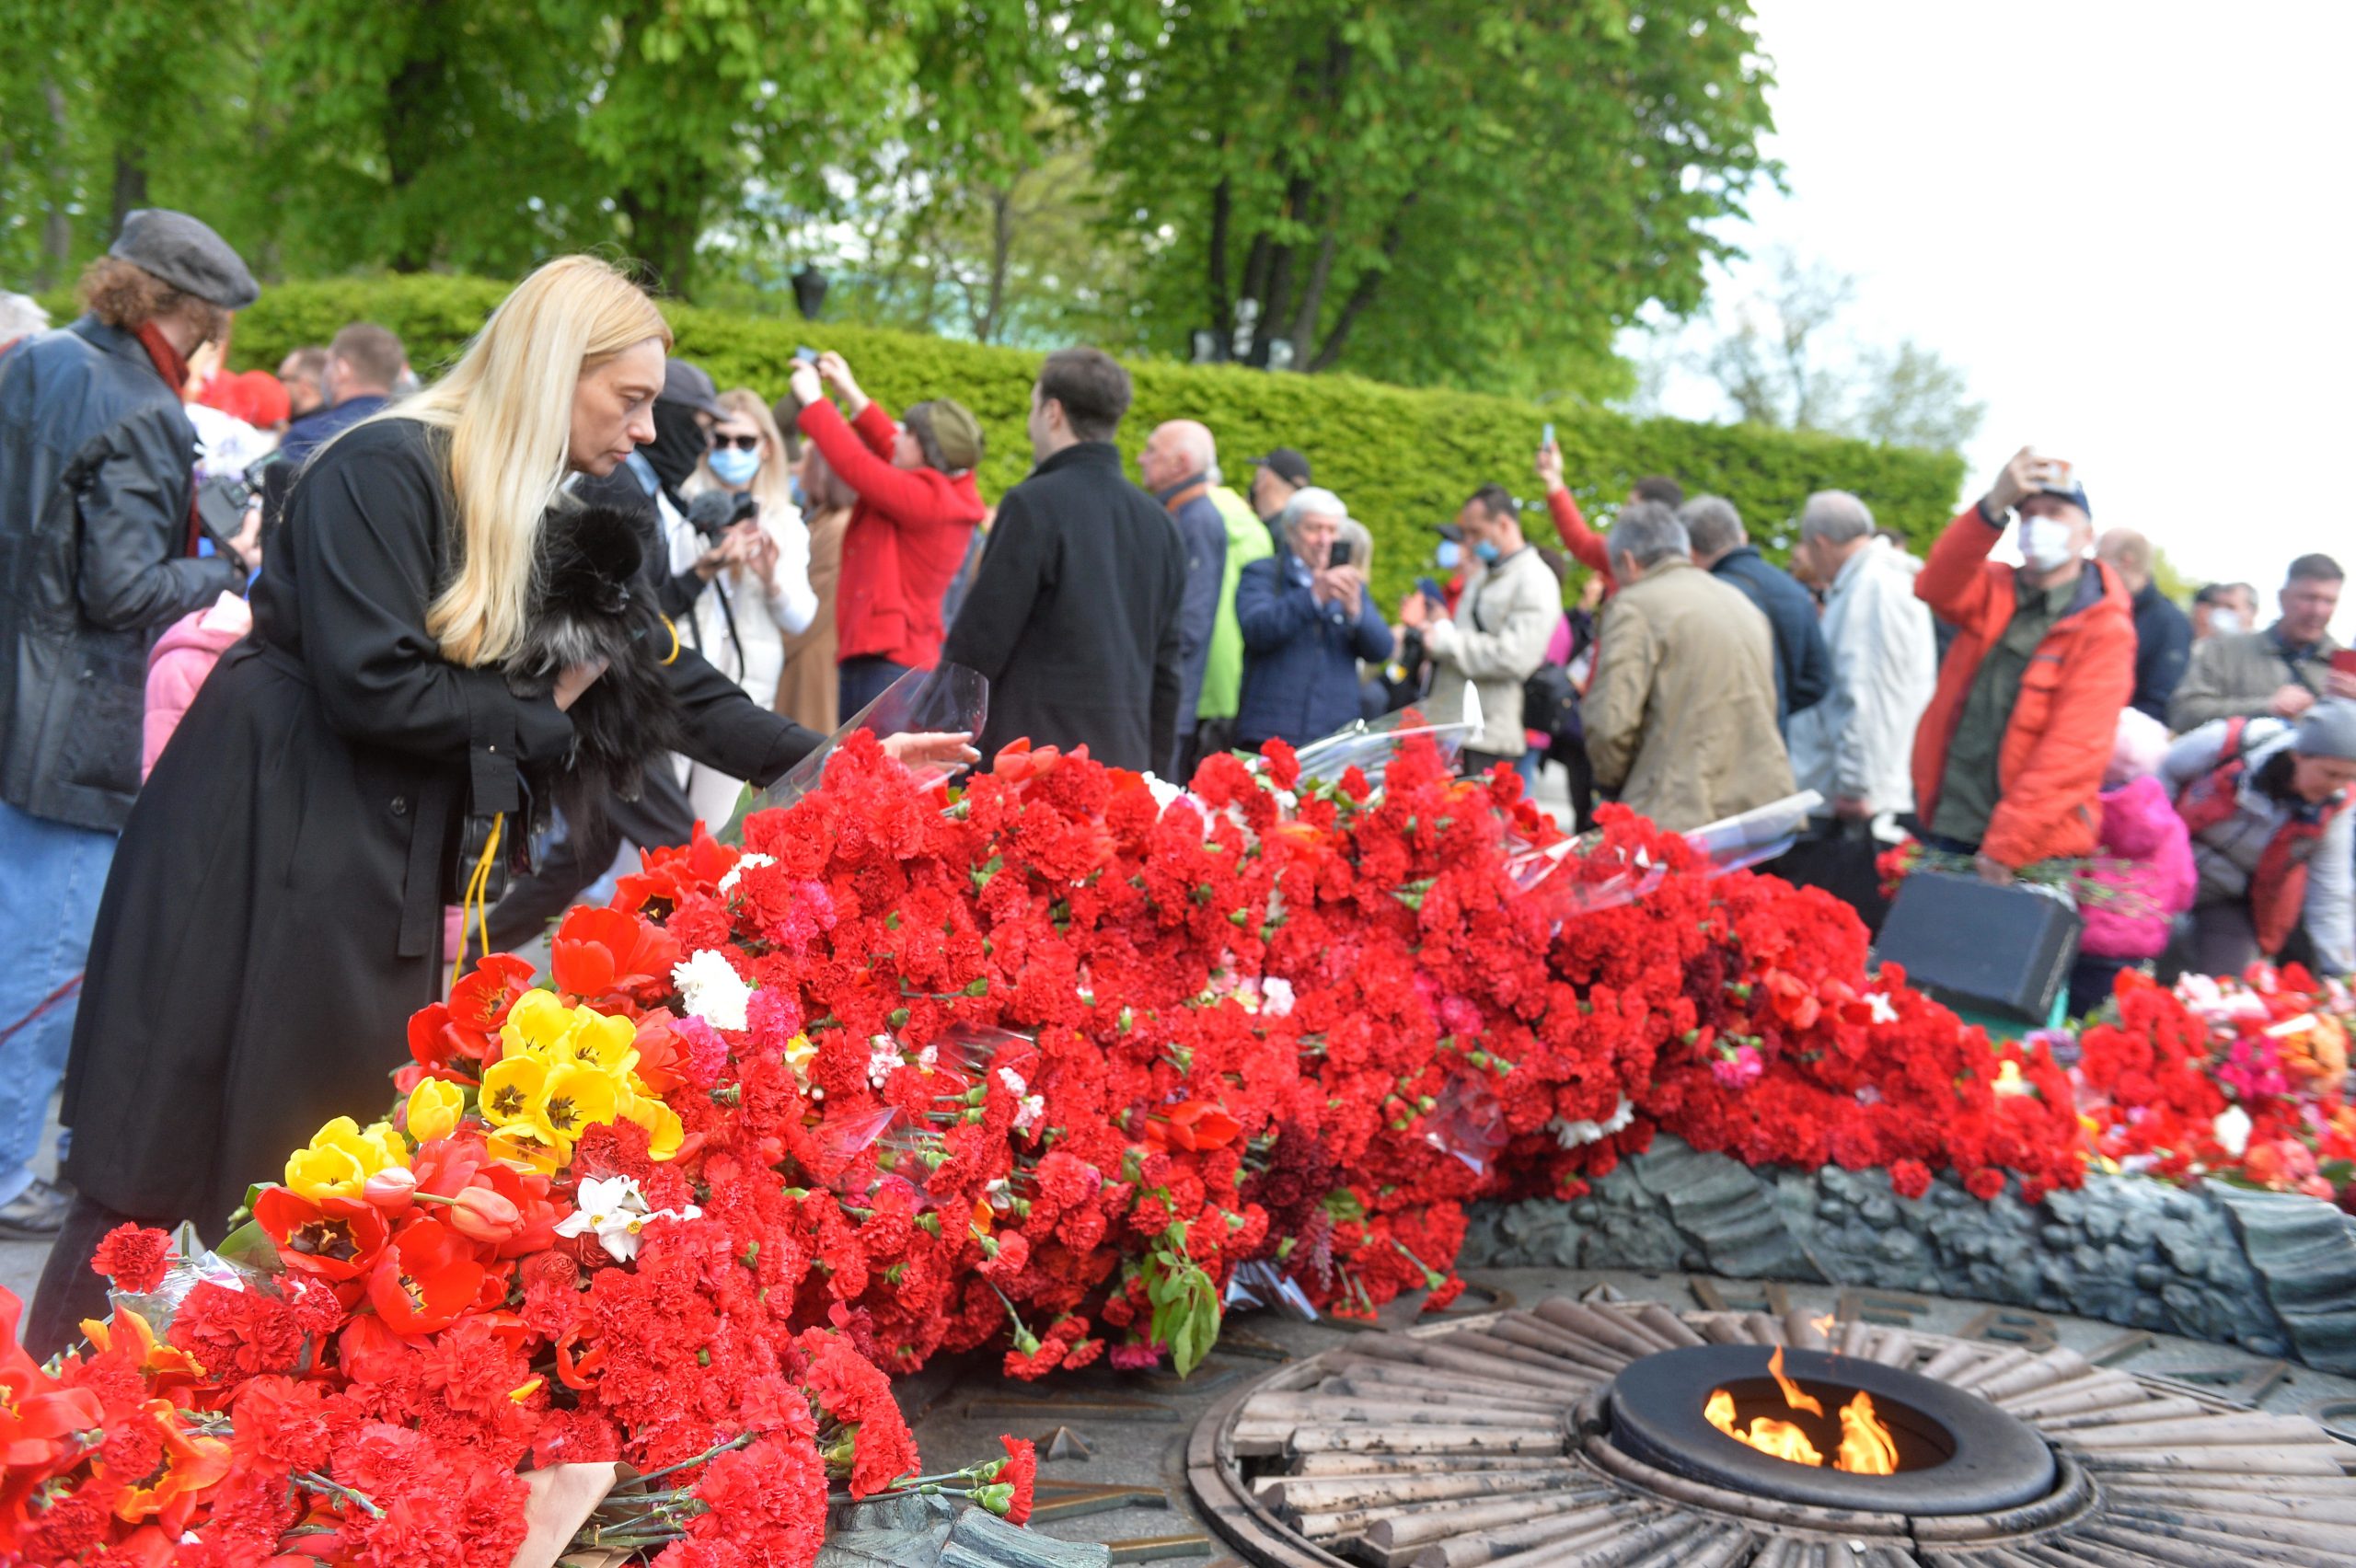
178 664
2134 903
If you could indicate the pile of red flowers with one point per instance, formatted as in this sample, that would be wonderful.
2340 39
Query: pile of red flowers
1057 1064
2241 1080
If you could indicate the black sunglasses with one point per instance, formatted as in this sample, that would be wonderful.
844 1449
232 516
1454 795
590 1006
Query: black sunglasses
740 442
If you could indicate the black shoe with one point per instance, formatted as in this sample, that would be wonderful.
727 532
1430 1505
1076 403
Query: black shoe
36 1213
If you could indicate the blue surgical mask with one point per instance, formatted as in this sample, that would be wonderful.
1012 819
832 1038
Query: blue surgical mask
733 466
1449 555
1486 550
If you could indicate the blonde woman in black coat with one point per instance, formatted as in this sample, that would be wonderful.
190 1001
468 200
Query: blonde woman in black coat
275 912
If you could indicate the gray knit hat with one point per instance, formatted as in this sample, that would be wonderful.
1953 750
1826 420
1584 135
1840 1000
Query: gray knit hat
2329 730
186 254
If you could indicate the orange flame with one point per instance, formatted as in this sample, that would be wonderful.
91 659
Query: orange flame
1792 1395
1825 1325
1867 1446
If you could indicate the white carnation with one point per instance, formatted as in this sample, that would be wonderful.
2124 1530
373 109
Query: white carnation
744 862
710 989
1571 1134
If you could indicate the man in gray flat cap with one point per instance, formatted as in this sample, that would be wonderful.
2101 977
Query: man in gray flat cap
98 555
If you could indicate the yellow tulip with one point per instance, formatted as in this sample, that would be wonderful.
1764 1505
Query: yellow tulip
799 1054
510 1085
572 1100
434 1107
539 1025
340 1158
606 1044
661 1123
520 1148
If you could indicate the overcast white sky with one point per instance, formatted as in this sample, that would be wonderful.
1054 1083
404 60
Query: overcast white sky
2132 224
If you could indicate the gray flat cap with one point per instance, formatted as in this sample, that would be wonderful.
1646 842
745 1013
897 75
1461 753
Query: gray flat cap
2329 730
691 384
186 254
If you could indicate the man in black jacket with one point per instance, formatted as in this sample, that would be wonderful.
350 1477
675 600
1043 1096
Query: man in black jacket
1074 616
97 557
2163 632
1803 668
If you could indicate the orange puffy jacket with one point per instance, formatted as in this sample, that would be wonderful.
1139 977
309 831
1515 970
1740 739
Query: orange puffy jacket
2049 771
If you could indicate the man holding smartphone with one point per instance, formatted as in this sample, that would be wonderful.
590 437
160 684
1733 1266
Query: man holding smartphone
2009 757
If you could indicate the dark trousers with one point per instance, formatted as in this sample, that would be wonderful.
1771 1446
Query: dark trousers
69 1292
659 818
1837 855
860 681
1207 739
1470 762
2221 938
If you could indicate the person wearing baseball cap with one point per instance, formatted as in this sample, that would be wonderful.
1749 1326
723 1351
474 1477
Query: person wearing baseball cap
1274 478
99 564
2009 756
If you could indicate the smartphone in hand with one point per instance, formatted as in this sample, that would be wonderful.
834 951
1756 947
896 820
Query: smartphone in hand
1339 555
1546 437
806 355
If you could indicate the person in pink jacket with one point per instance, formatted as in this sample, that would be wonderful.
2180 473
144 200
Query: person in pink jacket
2144 875
178 664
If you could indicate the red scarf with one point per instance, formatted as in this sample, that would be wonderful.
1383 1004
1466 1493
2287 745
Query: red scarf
172 365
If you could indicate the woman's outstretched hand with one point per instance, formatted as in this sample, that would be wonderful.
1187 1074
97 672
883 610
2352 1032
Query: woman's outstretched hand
927 745
576 679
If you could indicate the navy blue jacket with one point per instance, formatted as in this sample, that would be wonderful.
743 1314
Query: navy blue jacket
1203 533
1803 668
319 426
2163 647
1300 673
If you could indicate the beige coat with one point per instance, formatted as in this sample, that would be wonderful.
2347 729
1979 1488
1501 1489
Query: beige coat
1681 715
1504 620
2237 676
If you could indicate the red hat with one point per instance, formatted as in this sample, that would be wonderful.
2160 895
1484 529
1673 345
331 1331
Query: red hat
256 396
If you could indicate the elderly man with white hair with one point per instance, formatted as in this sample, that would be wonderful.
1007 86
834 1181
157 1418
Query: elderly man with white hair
1307 622
1176 466
1855 746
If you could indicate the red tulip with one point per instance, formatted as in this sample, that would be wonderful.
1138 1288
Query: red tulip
481 1214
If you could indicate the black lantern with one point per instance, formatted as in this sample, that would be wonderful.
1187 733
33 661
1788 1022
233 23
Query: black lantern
809 290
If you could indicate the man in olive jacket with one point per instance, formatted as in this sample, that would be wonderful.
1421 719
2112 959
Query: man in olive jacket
1681 715
96 464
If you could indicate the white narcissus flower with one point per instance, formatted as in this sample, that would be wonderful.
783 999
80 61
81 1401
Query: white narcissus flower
710 989
614 1208
750 860
1882 1010
2232 1130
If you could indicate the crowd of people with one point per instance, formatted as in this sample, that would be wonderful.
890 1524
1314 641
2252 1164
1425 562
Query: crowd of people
315 612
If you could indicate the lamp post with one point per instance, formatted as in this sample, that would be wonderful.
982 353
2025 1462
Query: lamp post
809 290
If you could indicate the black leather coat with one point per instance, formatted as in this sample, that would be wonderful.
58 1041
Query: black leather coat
95 466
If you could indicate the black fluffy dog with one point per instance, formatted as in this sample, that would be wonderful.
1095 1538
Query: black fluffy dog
588 603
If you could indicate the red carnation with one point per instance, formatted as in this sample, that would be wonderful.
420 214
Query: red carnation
1022 1472
133 1256
1984 1183
1911 1178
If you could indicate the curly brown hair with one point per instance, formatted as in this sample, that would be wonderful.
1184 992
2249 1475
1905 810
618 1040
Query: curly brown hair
127 296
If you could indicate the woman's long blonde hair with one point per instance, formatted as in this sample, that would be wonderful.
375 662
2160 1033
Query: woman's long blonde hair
508 407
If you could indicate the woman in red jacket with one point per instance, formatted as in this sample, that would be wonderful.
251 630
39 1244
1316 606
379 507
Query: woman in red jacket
918 506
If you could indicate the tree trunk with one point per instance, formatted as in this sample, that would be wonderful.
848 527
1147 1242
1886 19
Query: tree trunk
1312 298
57 227
1001 257
1222 300
130 183
416 104
1370 284
663 223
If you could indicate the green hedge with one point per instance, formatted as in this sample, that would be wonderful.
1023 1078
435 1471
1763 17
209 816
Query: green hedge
1402 459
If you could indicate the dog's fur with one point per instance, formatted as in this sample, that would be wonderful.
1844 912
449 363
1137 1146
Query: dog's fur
588 603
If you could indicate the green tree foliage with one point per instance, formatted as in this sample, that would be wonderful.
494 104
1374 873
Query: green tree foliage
1403 460
1349 175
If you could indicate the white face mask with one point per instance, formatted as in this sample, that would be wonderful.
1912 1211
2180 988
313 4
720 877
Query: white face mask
2226 623
2044 542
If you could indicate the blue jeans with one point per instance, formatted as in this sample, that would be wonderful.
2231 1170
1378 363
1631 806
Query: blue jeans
50 900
